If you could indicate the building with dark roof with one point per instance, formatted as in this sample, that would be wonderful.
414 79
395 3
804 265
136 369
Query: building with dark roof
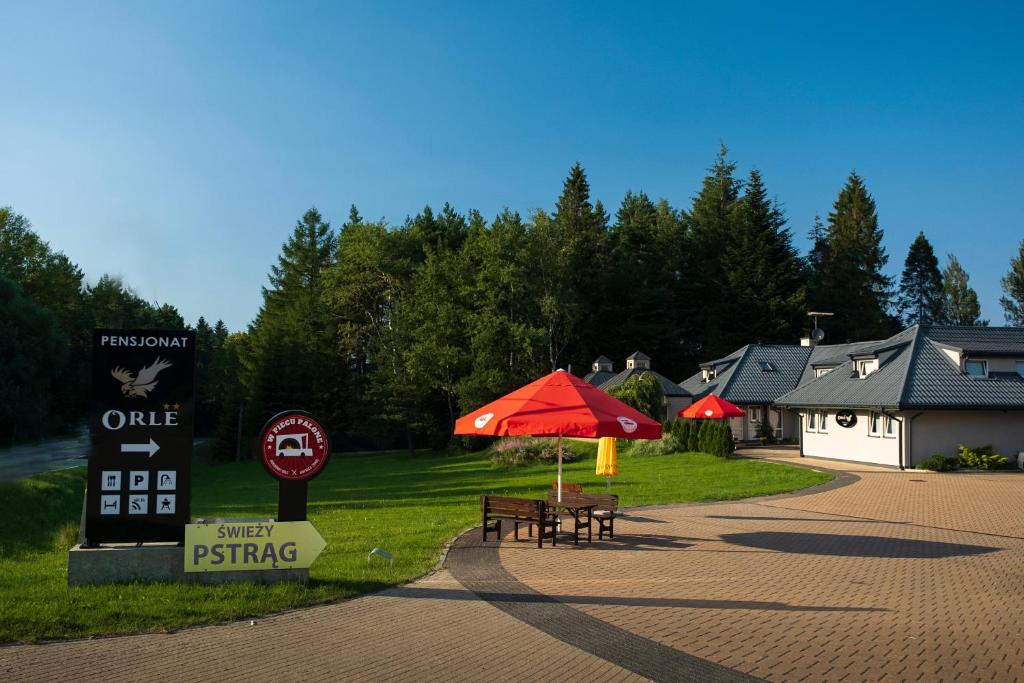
924 390
676 397
600 371
754 377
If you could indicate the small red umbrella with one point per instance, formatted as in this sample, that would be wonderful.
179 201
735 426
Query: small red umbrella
559 404
711 407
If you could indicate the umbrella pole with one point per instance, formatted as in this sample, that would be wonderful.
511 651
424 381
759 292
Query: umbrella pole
608 480
559 468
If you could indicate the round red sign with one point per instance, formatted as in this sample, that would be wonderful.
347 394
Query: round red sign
294 446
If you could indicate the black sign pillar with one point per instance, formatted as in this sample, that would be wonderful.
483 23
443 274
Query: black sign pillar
141 419
291 500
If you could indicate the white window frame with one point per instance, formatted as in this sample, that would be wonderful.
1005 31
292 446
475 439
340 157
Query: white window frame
823 422
887 424
984 365
875 424
821 372
754 412
811 422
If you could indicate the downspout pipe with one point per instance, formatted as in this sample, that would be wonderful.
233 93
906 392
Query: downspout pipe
900 423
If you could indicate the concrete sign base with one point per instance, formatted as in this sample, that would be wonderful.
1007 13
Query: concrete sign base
157 562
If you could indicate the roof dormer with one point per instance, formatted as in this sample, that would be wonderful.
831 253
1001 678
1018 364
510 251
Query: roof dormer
638 361
601 364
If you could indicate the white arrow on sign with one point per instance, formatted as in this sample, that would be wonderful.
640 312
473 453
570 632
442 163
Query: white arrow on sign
150 448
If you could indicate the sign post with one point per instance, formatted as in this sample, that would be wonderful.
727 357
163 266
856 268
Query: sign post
294 449
141 419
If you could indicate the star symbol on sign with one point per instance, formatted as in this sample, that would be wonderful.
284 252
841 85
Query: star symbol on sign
177 406
167 406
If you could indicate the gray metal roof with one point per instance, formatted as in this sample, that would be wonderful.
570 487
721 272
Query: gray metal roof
741 377
603 360
669 387
724 367
598 378
638 355
915 373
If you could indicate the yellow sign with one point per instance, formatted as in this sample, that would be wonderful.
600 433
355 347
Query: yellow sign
234 546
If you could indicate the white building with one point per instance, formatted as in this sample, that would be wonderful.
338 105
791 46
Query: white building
923 391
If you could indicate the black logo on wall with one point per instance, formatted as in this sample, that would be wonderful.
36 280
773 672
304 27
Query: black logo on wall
141 422
846 418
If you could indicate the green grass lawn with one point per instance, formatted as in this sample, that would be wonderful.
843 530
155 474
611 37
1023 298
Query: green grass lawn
409 505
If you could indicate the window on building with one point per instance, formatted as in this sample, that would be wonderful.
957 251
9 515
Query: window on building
708 374
976 368
823 422
812 421
1020 368
890 427
755 413
767 367
866 367
875 425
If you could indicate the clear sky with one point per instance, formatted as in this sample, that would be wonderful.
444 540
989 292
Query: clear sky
177 143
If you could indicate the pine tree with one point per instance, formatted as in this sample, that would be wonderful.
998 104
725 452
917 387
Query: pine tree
847 277
644 286
1013 289
291 360
710 222
506 341
571 250
960 301
921 295
764 278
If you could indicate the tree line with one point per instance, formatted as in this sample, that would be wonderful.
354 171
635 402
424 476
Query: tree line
388 332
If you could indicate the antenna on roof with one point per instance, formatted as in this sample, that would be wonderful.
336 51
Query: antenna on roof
817 334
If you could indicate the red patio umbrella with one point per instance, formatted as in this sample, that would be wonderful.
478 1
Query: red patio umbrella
711 407
559 404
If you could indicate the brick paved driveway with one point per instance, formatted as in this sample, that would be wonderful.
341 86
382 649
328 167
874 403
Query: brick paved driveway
897 575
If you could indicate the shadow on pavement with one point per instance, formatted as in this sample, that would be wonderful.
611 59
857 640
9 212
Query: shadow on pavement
509 597
841 545
803 519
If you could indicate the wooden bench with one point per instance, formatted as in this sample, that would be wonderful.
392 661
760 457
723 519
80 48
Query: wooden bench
607 504
518 511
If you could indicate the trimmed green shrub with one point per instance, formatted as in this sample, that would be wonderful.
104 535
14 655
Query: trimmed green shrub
980 457
515 451
939 463
668 443
765 431
693 435
715 438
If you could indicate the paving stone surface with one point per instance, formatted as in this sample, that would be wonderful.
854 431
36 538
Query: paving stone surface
895 576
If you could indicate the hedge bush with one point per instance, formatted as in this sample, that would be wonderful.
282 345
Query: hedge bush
939 463
980 457
668 443
716 438
516 451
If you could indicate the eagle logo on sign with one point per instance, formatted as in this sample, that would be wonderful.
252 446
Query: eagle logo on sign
140 385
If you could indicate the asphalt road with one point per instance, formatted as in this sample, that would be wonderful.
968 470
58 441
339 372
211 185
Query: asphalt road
48 456
58 454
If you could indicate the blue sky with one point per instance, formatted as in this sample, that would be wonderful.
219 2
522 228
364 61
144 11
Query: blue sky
176 144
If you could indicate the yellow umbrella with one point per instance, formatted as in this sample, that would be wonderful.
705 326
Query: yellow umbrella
607 462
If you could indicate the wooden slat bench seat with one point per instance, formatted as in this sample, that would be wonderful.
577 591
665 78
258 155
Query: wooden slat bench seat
518 511
605 509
